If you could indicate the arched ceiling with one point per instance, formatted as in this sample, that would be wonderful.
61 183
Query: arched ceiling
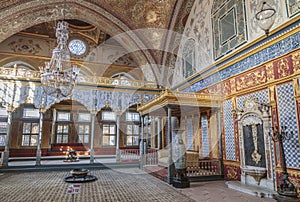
116 18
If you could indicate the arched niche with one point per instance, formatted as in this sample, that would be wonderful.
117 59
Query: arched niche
255 146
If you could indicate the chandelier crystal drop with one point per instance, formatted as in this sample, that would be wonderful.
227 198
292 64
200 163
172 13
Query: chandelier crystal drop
58 77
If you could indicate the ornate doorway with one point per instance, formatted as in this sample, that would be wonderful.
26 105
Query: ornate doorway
255 146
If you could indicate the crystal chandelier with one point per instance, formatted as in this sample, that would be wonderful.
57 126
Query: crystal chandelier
58 78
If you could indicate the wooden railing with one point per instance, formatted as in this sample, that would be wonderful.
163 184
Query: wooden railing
206 168
151 158
130 154
134 155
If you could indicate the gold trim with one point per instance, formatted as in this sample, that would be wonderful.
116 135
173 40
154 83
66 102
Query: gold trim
76 61
290 171
181 99
232 163
186 82
33 34
34 76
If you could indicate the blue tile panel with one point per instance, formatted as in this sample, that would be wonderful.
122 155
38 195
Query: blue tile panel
287 117
190 134
229 130
262 97
270 53
205 141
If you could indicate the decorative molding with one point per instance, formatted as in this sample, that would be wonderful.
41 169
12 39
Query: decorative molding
229 26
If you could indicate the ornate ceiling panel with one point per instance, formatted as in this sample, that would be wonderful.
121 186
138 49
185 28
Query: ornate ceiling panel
111 17
140 14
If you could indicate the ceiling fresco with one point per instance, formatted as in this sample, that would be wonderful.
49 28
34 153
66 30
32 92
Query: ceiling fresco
101 20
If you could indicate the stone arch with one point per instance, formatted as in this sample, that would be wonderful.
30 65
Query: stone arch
19 18
20 64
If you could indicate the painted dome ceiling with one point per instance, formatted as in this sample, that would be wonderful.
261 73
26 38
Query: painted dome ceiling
98 21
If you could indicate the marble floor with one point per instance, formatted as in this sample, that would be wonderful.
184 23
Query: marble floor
121 184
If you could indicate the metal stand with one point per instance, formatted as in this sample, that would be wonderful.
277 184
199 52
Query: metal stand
285 187
180 180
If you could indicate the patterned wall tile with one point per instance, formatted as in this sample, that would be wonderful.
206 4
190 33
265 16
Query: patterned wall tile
262 97
267 54
190 134
229 130
205 141
287 117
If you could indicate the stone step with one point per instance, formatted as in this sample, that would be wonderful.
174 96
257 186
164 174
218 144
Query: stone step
252 190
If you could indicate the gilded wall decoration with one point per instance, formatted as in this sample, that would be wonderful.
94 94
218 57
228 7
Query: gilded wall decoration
251 79
270 71
226 87
283 67
232 172
296 61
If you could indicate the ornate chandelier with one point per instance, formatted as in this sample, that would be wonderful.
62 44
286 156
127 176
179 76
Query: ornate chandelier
58 78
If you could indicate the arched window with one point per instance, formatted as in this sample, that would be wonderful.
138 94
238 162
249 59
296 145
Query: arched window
189 60
20 65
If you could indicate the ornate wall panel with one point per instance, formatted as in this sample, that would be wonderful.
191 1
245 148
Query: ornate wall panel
287 117
262 97
270 53
229 26
91 99
198 27
293 7
232 171
229 130
190 134
205 138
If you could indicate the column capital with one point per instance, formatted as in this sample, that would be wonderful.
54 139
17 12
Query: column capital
10 108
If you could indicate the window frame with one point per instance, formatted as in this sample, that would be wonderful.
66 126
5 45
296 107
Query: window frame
132 135
3 119
83 136
109 134
30 139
